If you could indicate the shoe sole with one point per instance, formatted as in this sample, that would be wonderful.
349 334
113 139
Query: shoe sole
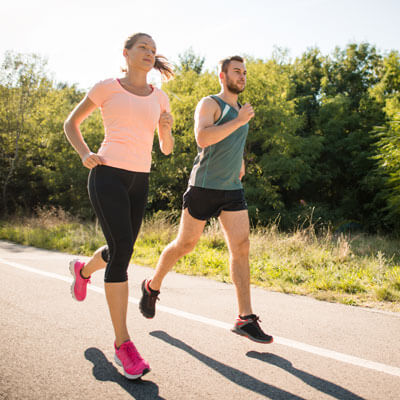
72 270
144 313
251 338
129 376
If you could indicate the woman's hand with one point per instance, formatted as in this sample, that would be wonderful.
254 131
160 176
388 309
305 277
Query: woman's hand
166 120
91 160
164 132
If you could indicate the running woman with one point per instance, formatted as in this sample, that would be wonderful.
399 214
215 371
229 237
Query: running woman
118 179
215 190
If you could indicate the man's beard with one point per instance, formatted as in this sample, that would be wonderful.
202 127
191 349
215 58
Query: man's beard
232 87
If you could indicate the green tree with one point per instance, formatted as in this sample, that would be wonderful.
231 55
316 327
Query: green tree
344 178
190 61
387 93
278 156
23 82
389 166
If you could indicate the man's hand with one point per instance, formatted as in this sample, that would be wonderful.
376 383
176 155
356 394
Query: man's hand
246 113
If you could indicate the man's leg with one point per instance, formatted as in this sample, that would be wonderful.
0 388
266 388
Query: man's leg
235 225
190 230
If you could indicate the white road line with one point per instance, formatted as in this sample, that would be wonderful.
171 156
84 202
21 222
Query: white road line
387 369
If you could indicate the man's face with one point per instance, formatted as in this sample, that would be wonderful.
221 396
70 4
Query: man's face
235 77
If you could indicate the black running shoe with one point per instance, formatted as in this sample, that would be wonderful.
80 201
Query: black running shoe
251 329
147 304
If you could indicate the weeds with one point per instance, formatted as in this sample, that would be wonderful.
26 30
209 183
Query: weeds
355 270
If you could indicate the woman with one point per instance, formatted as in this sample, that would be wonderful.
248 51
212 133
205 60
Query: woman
118 179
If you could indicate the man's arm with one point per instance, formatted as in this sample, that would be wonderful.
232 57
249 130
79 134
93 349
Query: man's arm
206 132
242 170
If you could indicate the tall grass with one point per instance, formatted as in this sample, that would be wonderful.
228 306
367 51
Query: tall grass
355 269
53 228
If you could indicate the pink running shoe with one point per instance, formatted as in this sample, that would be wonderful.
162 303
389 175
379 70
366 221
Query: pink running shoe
78 287
130 360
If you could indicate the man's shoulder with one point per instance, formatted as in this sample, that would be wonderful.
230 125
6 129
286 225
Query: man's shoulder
209 102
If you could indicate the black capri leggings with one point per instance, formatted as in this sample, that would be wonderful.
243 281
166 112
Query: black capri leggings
119 199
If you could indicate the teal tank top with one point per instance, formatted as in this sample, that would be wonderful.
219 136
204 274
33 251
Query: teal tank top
218 166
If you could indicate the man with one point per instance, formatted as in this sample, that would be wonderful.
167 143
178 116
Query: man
215 190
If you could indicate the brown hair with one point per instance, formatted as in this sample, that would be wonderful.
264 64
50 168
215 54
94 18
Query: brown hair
161 64
223 64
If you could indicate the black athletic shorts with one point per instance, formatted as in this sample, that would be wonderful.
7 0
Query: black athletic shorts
205 203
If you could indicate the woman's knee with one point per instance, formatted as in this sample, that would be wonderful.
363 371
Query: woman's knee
118 258
104 253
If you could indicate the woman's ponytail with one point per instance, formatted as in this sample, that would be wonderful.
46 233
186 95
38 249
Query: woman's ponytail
163 65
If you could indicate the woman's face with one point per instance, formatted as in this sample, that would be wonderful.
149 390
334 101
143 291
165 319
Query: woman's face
142 54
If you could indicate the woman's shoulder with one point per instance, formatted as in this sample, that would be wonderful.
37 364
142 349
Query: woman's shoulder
106 82
160 93
102 90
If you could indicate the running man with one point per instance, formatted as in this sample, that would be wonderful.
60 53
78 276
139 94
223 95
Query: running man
215 190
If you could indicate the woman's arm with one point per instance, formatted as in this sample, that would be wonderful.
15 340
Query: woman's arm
165 133
74 135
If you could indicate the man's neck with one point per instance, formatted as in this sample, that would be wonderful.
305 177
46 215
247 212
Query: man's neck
229 97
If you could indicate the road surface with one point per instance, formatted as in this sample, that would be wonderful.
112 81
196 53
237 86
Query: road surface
53 347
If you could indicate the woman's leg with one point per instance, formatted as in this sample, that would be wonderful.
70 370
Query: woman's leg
117 294
110 199
95 263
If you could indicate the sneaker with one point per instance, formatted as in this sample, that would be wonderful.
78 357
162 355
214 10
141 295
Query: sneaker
147 304
130 360
79 285
251 329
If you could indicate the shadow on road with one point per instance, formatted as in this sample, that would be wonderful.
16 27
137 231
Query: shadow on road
234 375
322 385
104 370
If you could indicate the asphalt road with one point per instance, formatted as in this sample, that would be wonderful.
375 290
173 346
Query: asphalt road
53 347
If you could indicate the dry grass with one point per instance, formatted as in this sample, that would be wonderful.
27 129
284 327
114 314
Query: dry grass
352 269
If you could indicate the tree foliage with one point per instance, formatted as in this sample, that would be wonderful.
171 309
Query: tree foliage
313 144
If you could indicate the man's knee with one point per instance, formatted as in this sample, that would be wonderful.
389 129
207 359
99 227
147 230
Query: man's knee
240 248
185 246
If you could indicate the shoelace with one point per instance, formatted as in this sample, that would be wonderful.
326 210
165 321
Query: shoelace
132 352
255 320
154 296
151 293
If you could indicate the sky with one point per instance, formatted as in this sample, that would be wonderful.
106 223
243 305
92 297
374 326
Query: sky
83 39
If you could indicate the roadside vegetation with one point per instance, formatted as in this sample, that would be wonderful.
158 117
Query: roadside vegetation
355 269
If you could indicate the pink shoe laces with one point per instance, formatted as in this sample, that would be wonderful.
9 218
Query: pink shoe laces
129 350
132 352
